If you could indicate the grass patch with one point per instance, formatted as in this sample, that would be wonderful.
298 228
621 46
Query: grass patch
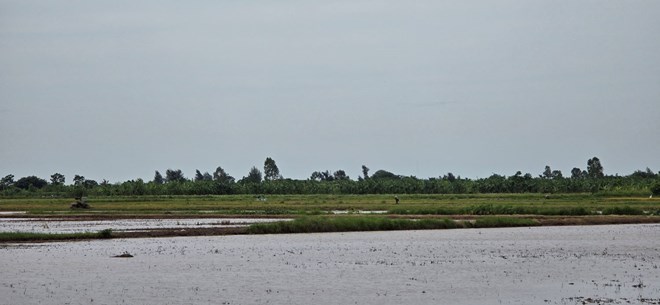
29 236
494 209
622 210
346 224
500 222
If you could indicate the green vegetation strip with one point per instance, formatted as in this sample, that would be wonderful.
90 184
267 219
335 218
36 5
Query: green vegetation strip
28 236
346 224
499 209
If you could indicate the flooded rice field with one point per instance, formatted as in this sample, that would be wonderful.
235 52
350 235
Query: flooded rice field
540 265
55 225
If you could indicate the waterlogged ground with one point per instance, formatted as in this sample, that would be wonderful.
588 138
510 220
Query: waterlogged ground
54 225
541 265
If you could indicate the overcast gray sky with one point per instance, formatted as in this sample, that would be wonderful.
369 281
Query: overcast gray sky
118 89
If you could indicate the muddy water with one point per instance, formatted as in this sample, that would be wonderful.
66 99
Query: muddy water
541 265
39 225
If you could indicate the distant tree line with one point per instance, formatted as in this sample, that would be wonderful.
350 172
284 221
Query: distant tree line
270 181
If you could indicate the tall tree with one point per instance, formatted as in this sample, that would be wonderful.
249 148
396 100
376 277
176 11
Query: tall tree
57 179
556 174
221 176
365 172
254 176
271 172
547 173
158 178
341 175
316 176
594 168
198 175
6 182
78 180
576 173
174 176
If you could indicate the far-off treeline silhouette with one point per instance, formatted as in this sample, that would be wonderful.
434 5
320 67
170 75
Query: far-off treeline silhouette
269 181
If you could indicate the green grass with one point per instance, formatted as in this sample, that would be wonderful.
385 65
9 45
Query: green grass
493 209
346 224
28 236
415 204
370 223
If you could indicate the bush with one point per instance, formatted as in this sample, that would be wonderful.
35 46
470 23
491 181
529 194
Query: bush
655 189
107 233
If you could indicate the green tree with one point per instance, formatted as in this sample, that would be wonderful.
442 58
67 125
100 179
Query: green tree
158 178
365 172
341 175
6 182
57 179
254 176
556 174
383 174
322 176
271 172
78 180
655 189
202 177
576 173
30 181
547 173
595 168
174 176
221 176
316 176
90 184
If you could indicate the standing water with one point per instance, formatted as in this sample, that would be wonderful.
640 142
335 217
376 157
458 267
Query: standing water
540 265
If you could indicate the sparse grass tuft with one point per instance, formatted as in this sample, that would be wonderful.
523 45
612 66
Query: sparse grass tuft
622 210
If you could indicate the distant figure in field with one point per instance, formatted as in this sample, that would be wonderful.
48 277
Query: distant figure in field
396 198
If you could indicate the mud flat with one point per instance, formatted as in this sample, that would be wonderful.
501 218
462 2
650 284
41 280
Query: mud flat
615 264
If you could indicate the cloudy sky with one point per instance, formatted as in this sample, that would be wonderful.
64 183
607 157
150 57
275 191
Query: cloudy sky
118 89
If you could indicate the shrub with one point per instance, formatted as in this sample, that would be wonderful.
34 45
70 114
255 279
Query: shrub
107 233
655 189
